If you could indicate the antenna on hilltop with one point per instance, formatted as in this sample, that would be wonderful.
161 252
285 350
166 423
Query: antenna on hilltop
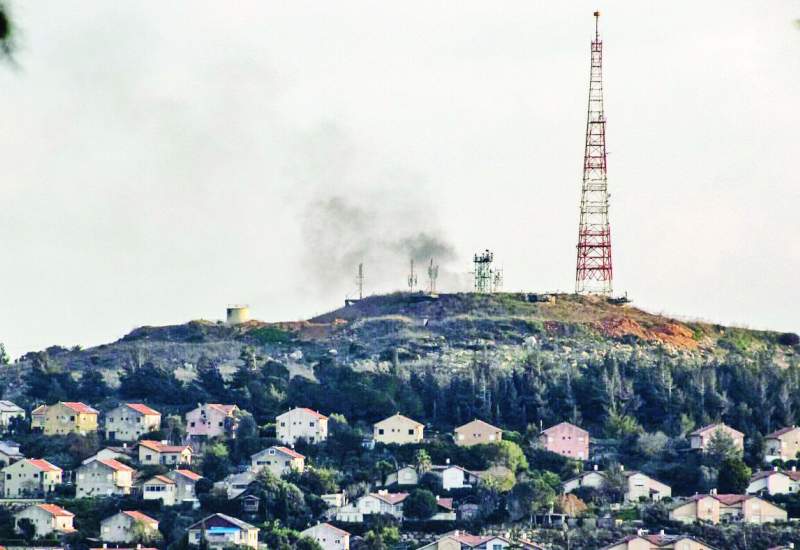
360 281
412 278
593 273
433 274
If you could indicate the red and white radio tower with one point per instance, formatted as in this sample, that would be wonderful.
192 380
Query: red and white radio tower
593 272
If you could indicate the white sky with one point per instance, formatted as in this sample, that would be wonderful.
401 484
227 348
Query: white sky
161 161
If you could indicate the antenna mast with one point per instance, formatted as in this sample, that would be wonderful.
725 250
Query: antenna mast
360 281
412 278
593 274
433 274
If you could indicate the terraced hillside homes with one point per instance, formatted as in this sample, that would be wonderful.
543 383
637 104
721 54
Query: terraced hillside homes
714 508
658 542
46 519
103 477
130 421
69 417
126 526
567 440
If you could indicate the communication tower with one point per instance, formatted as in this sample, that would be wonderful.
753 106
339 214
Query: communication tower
433 275
360 281
485 276
593 273
412 278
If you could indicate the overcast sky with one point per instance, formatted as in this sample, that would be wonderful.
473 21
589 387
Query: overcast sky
164 159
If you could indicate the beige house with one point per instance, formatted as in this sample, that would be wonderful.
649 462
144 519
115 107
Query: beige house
31 477
46 519
158 452
783 444
700 438
130 421
127 526
278 460
185 481
328 536
638 486
301 423
222 531
477 432
774 482
567 440
382 502
459 540
9 411
162 488
714 508
398 429
658 542
103 477
38 416
69 417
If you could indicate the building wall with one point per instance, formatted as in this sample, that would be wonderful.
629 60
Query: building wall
184 488
403 476
240 538
164 492
126 424
701 441
60 419
329 539
120 528
756 510
567 440
640 485
590 479
477 433
95 479
23 479
276 462
301 424
453 478
151 457
398 430
43 522
205 421
784 448
6 416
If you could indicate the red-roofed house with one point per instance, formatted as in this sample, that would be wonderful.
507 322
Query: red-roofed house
103 477
69 417
185 481
713 508
46 519
278 460
126 526
301 423
212 420
30 477
658 542
328 536
701 437
160 487
156 452
130 421
567 440
783 444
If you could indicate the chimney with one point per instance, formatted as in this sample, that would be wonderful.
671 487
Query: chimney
447 461
794 468
713 492
661 533
774 468
595 467
621 468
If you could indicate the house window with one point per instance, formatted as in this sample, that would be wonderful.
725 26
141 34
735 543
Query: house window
380 431
410 432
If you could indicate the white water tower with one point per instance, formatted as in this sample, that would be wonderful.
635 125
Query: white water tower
237 314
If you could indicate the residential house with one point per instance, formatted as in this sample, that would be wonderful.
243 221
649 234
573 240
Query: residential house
775 482
103 477
398 429
130 421
328 536
9 453
9 411
30 477
783 444
567 440
113 453
222 531
185 481
278 460
46 519
477 432
407 475
69 417
38 417
212 420
700 438
301 423
160 452
382 502
160 487
637 485
127 526
235 484
455 477
661 541
458 540
715 508
445 511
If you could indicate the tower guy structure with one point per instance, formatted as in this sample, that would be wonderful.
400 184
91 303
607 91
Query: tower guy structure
593 273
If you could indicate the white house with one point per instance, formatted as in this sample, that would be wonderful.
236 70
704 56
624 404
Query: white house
235 484
185 481
382 502
775 482
278 460
455 477
160 487
46 519
9 411
407 475
130 421
123 526
9 453
103 478
222 531
328 536
301 423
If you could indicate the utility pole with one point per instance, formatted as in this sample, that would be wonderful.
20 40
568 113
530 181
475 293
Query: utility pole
412 278
593 273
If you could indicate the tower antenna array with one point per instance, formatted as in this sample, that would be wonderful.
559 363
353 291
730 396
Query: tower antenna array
593 273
